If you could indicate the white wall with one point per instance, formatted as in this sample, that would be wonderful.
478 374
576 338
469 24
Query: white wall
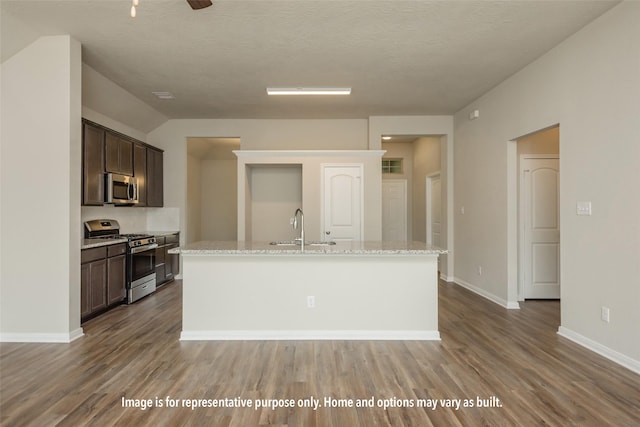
193 199
311 162
426 161
275 192
254 135
589 85
41 157
546 141
110 105
219 200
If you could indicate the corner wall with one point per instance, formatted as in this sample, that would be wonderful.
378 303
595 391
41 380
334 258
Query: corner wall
589 85
41 145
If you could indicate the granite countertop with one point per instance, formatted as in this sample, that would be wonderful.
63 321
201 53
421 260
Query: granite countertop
96 243
341 248
162 233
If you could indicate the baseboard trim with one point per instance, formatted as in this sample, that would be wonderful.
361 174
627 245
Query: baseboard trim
446 278
42 338
309 335
614 356
511 305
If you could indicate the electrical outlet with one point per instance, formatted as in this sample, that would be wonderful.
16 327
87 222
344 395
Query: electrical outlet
311 301
604 314
479 270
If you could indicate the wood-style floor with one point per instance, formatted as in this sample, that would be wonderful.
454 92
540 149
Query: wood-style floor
133 352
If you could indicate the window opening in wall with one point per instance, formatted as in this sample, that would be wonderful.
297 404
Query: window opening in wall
392 166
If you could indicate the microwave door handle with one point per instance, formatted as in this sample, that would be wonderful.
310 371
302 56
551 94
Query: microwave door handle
130 190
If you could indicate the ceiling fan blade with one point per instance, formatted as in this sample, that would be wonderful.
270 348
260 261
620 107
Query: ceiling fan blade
199 4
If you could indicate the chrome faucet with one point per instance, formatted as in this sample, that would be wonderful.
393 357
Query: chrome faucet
295 226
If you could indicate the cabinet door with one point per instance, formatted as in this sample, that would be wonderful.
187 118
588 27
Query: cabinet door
116 267
154 178
92 165
140 172
85 290
126 157
171 262
160 274
160 262
98 284
118 155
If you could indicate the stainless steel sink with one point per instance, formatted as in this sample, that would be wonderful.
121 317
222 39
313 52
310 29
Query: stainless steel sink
319 243
292 243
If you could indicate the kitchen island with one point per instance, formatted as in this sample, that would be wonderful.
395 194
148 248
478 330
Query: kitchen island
350 290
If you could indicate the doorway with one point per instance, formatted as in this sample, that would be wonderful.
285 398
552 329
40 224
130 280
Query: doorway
412 158
539 226
538 219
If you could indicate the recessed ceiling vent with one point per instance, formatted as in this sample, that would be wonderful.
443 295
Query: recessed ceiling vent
164 95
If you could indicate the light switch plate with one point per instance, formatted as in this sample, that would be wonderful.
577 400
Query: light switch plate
583 208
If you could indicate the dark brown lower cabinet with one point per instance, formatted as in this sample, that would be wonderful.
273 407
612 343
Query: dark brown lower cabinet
167 265
172 262
102 279
93 285
116 275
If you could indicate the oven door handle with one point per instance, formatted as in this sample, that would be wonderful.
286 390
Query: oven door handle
144 248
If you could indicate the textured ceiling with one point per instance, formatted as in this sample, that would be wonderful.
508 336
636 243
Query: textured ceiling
400 57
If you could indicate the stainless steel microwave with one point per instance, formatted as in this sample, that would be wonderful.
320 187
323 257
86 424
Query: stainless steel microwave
120 189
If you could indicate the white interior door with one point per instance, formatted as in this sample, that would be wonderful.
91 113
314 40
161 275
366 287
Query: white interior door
342 201
540 225
394 209
434 210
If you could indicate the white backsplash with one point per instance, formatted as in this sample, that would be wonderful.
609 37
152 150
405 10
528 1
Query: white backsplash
163 219
135 220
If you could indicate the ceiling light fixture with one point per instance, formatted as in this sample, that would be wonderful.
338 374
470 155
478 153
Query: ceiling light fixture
308 91
386 138
134 4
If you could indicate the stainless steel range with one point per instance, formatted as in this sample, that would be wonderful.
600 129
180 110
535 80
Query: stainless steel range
141 256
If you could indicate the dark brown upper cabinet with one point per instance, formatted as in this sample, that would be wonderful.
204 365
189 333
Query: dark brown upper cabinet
155 178
140 171
93 165
105 150
118 155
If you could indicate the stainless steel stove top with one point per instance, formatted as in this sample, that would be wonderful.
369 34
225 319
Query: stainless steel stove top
110 229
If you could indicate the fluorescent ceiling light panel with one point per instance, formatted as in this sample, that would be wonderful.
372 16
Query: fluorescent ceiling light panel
309 90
